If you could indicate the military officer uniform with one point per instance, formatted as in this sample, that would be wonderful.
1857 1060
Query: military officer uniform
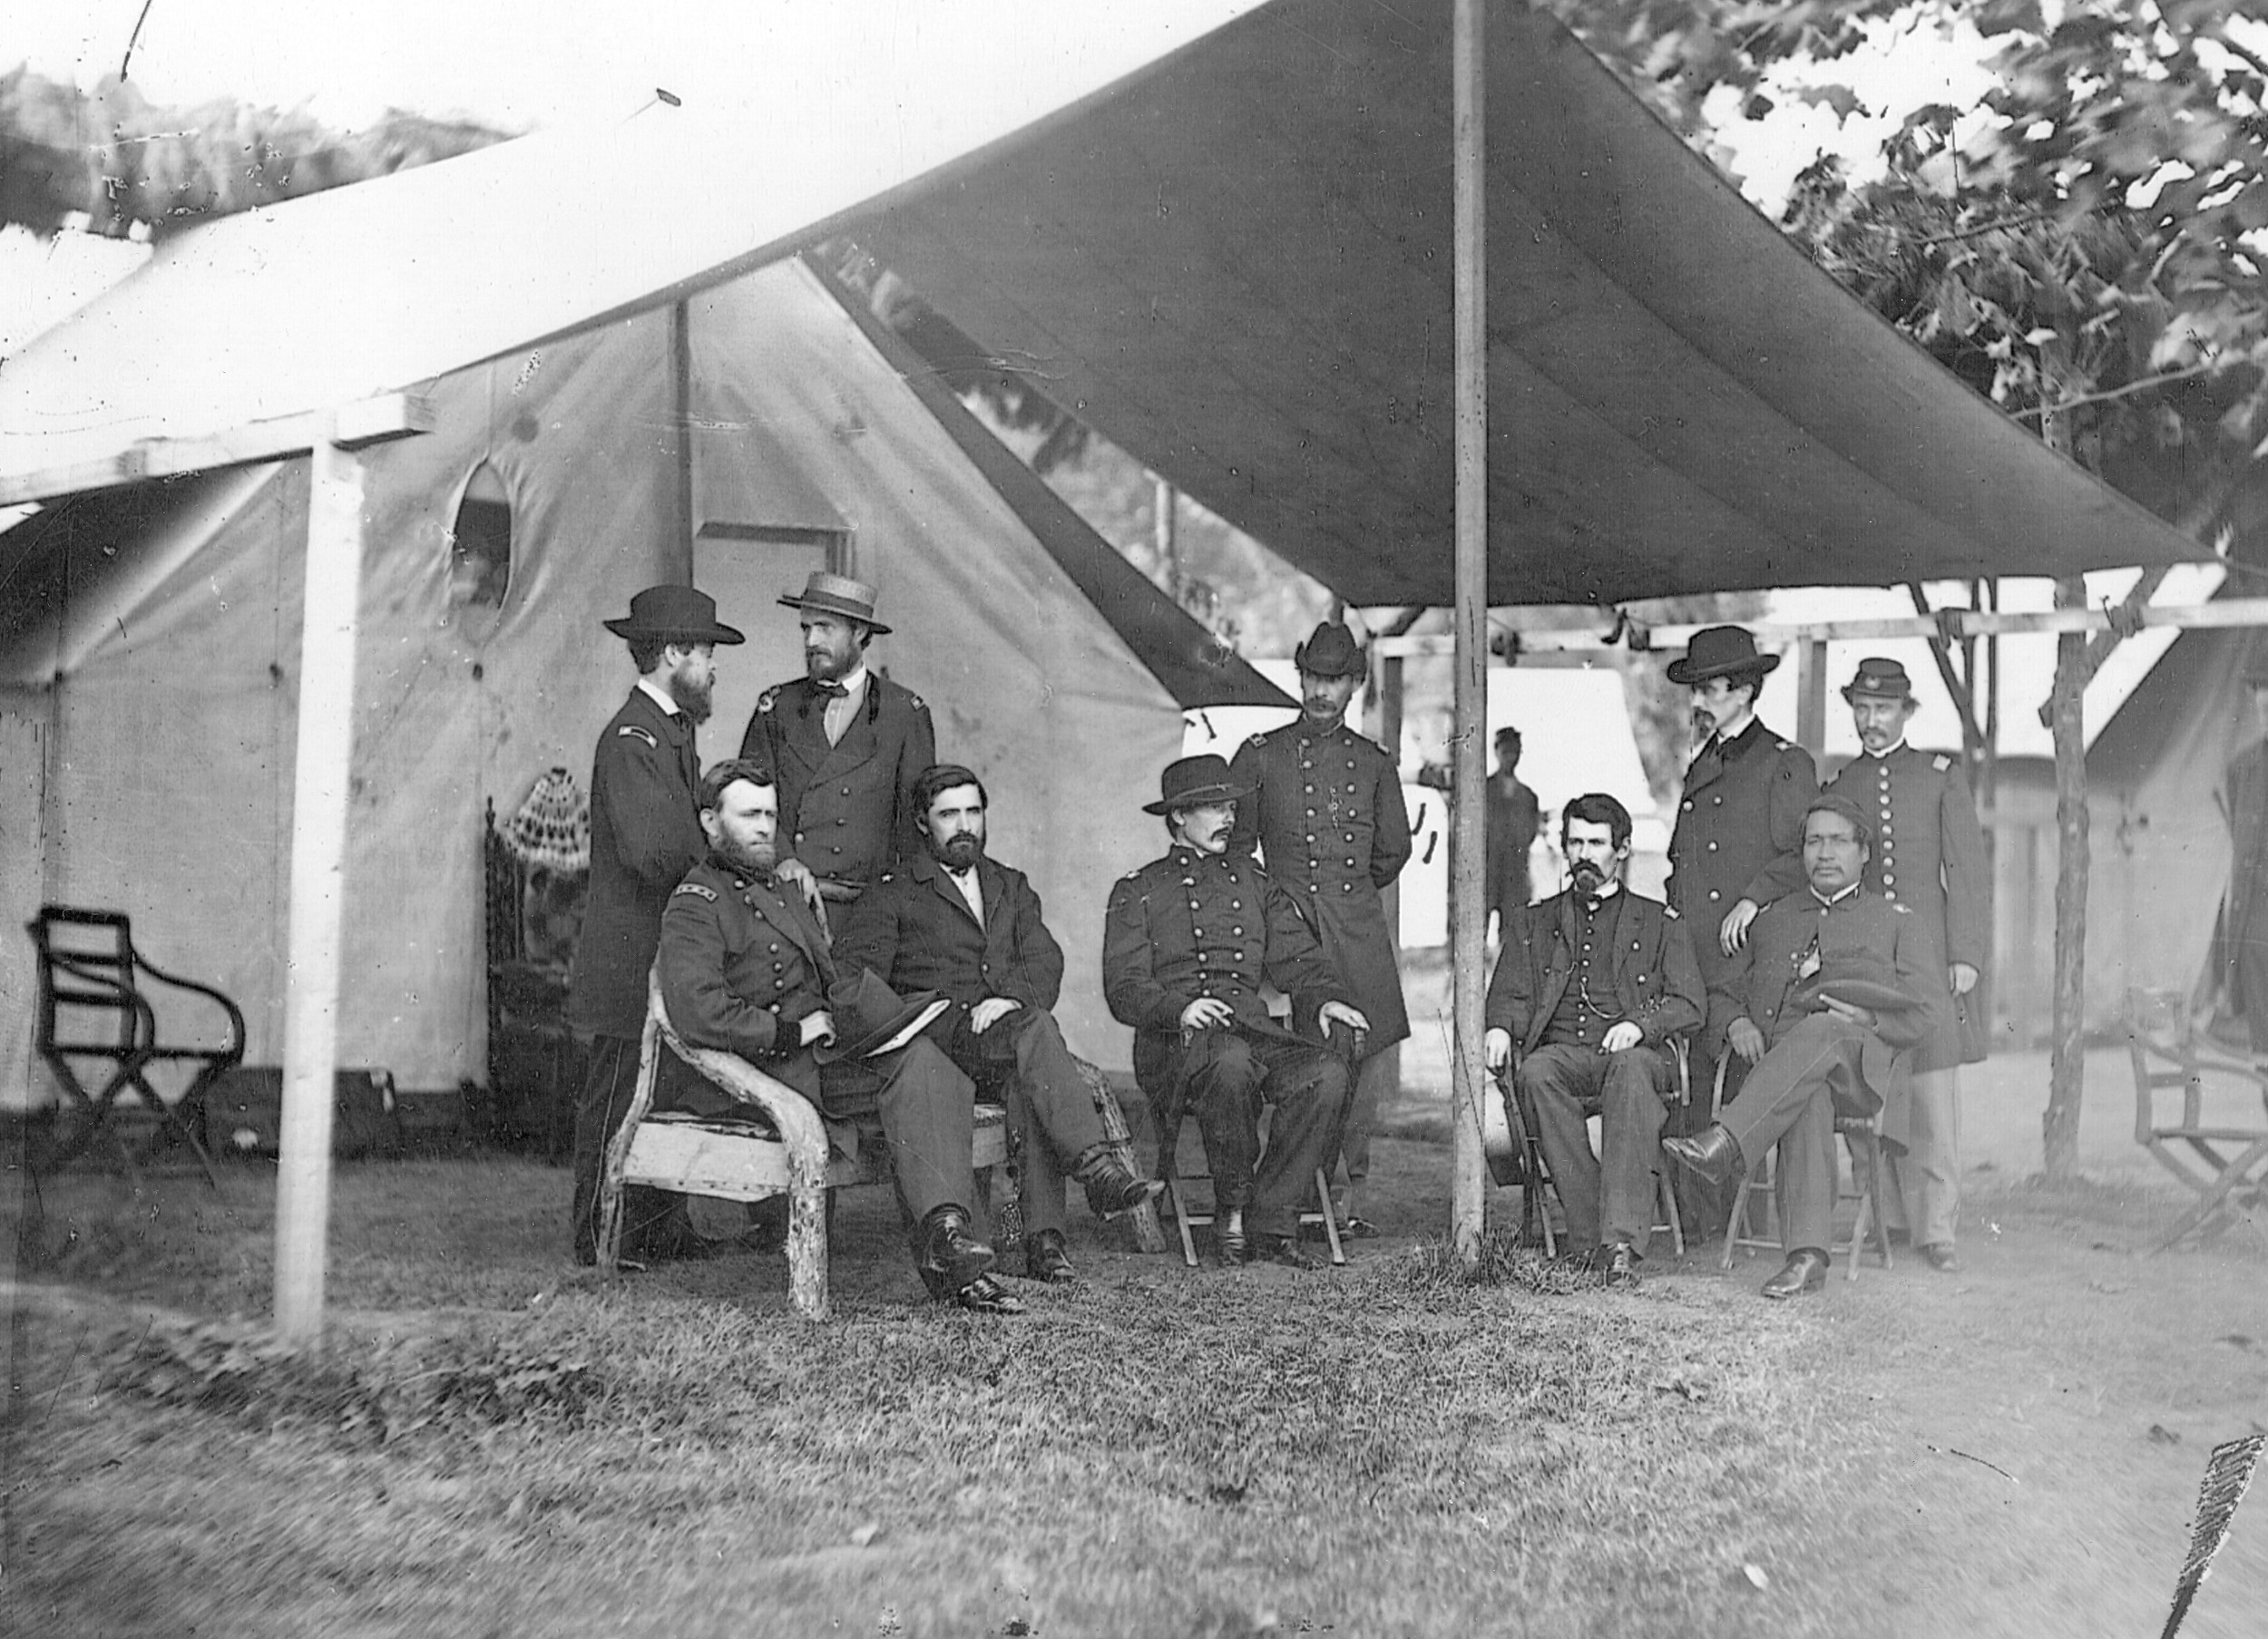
742 963
1816 1063
1929 857
1196 924
1739 834
915 929
645 833
846 809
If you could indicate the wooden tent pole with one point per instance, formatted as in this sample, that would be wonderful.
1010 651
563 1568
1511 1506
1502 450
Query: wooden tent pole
1468 918
318 847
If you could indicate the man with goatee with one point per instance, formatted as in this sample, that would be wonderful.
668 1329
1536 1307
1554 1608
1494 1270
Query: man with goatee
645 834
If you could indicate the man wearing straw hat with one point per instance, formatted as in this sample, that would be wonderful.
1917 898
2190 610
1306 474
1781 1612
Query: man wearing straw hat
1930 857
1187 941
846 745
1326 812
645 834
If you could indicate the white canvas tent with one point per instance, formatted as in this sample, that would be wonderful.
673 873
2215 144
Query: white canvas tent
154 654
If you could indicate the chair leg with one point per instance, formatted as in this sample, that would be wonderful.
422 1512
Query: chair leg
1181 1220
1670 1219
1740 1228
1534 1206
1330 1218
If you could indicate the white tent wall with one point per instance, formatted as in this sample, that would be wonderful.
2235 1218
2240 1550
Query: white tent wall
1027 684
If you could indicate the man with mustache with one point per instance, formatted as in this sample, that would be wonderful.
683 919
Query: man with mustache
645 834
1736 846
1831 984
1187 941
1588 986
1326 814
846 745
744 967
956 920
1930 857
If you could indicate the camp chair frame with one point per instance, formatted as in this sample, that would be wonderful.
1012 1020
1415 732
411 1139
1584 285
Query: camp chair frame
2214 1162
1753 1224
88 965
1535 1172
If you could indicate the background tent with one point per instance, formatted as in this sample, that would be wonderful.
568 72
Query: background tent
152 639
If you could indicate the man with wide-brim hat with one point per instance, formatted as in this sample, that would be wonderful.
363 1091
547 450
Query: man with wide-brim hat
1736 844
1187 942
846 745
1326 816
645 833
1929 859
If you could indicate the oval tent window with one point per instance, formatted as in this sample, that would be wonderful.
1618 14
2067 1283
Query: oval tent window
480 551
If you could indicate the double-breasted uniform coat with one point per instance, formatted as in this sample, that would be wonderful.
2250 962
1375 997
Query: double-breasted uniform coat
845 809
1195 924
742 963
645 834
915 929
1739 834
1816 1063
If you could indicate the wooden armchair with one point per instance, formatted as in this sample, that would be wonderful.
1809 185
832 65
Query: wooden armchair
95 1003
2214 1158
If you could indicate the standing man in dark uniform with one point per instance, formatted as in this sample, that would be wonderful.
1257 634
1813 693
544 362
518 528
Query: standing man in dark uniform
1186 943
1513 820
1590 987
744 967
847 745
1836 982
957 921
645 834
2243 801
1327 814
1736 845
1928 857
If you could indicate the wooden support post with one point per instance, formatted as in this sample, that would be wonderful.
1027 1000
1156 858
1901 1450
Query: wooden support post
1468 916
2067 1057
318 847
1810 705
1389 1071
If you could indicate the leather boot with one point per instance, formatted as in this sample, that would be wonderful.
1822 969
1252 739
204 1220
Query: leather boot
951 1257
1111 1189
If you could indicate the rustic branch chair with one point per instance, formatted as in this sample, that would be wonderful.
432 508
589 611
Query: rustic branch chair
93 1003
2218 1161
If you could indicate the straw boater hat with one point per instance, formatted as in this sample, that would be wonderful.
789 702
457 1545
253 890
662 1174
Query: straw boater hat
1330 651
825 594
1191 781
674 614
1880 679
1721 651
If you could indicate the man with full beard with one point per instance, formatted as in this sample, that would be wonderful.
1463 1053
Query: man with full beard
956 920
846 745
1588 987
645 833
745 968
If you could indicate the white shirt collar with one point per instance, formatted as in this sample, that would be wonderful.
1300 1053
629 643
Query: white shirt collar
854 679
1605 890
1886 750
662 698
1839 898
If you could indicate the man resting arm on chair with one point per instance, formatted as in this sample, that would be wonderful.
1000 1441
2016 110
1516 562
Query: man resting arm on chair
1589 985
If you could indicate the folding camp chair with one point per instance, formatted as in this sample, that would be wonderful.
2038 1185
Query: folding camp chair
93 1006
2222 1161
1513 1137
1754 1224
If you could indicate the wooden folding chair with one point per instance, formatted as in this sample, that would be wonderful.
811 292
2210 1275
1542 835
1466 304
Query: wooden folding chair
2217 1160
1532 1173
92 1004
1755 1224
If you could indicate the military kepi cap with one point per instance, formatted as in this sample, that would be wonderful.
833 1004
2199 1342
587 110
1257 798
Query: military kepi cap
1721 651
673 614
1880 679
825 594
1330 651
1191 781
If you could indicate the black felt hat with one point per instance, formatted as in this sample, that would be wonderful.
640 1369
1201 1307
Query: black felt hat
869 1016
1721 651
674 614
1192 781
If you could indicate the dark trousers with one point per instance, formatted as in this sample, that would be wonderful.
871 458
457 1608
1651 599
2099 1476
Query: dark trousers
1022 1064
1228 1077
1564 1086
928 1115
1789 1100
653 1220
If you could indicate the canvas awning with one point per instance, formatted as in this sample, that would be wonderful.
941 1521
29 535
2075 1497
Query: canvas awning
1239 268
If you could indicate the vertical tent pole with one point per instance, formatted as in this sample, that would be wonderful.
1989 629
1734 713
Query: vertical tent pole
1810 688
319 847
1467 916
1389 698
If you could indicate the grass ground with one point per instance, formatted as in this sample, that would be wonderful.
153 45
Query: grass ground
497 1444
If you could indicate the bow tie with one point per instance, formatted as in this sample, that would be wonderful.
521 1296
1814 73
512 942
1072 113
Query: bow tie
1590 906
830 688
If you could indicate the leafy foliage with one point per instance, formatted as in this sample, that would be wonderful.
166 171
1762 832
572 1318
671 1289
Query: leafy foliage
126 164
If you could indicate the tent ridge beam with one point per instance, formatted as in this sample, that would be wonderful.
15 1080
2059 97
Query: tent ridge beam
352 427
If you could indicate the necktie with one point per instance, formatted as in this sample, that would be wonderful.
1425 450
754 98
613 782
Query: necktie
828 686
